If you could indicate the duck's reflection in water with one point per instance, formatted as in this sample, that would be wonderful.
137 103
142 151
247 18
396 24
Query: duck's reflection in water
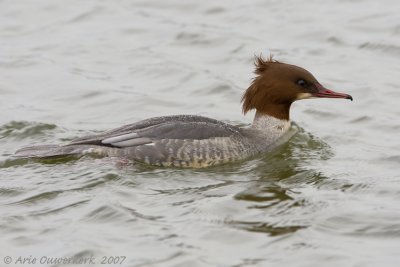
280 174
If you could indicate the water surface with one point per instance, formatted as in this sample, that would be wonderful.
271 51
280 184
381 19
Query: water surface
328 197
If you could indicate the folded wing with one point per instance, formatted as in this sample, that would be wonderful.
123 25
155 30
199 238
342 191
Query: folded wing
185 127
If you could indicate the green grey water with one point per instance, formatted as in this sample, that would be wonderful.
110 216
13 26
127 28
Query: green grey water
327 197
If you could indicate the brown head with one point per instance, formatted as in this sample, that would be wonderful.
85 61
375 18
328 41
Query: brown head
278 85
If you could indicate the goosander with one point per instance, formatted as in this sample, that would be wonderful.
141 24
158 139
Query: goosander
196 141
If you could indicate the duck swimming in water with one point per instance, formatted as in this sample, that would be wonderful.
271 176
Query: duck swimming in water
196 141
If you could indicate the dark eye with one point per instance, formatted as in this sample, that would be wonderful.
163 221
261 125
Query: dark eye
301 82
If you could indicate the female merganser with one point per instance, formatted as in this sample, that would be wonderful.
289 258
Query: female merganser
196 141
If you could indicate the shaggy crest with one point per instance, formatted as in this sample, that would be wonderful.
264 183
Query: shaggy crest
262 64
249 98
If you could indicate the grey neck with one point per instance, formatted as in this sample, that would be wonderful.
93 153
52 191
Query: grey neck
270 125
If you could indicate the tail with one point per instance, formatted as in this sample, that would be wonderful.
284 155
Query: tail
46 151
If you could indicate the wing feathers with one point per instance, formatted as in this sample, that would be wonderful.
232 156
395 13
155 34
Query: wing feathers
133 142
119 138
172 127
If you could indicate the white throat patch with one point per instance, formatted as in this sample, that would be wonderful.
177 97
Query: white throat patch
304 96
